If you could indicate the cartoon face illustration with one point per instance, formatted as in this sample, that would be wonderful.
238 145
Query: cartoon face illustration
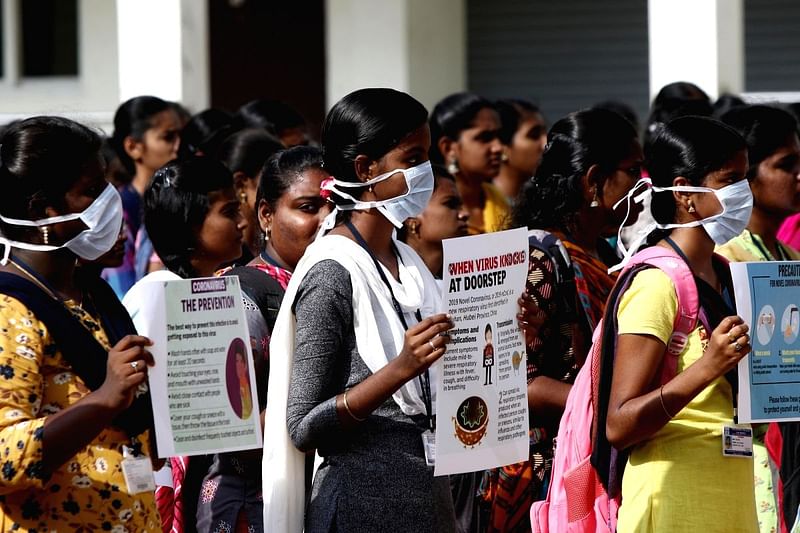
488 334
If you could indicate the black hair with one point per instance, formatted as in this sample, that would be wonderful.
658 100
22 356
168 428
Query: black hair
42 158
764 128
184 115
725 103
175 205
205 132
552 198
620 108
366 122
282 170
487 330
452 115
691 147
246 151
511 112
678 99
271 115
132 119
115 170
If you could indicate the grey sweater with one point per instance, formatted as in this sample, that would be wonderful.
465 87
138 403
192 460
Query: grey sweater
373 476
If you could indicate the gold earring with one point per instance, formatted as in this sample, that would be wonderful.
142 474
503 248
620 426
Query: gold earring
691 208
243 197
413 227
46 234
595 200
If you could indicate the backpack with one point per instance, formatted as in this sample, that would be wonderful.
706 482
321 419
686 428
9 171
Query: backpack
580 498
566 288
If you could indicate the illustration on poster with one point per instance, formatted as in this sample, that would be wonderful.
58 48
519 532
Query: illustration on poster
790 323
238 380
765 327
488 354
471 420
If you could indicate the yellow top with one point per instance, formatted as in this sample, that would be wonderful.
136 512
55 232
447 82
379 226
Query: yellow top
88 492
749 247
678 480
496 211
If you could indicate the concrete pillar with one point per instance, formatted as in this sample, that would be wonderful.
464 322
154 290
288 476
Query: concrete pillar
699 41
163 50
416 46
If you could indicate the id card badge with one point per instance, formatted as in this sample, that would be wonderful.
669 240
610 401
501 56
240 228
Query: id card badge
737 441
138 473
429 445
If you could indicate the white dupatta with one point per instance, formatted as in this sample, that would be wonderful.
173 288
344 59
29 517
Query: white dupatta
379 338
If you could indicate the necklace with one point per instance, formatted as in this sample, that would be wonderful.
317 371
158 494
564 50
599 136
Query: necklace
38 281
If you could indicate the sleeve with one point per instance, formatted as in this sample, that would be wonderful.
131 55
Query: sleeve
648 306
323 308
541 286
22 349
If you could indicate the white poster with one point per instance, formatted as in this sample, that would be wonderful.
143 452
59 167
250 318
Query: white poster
482 399
203 384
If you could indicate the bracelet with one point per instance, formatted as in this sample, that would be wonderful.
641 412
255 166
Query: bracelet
660 394
347 408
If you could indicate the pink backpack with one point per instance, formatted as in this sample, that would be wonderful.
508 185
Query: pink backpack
577 499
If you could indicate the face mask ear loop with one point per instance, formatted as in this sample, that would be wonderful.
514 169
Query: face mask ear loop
6 252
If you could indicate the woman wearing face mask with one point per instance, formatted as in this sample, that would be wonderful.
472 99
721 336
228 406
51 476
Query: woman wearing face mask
773 150
591 162
524 134
443 218
464 136
290 211
74 387
673 433
359 323
145 138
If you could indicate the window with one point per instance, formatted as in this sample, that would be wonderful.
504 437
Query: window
49 37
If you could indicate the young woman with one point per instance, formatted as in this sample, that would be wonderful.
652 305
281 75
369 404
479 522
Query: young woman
443 218
673 432
193 218
145 138
74 388
524 134
592 160
359 323
290 211
465 132
244 153
773 150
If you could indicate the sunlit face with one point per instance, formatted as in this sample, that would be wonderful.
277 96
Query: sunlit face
617 185
77 199
297 216
706 204
159 144
776 186
477 150
445 216
527 145
409 152
219 240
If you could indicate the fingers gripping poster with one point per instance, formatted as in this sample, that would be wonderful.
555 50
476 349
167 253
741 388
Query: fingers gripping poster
482 401
203 383
767 299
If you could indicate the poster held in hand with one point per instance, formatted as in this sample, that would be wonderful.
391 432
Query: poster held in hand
482 400
767 299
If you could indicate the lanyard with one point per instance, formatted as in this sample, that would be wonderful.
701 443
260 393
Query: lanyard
268 259
732 376
424 378
782 255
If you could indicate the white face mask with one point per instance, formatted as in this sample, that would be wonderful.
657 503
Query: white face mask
419 189
102 218
736 200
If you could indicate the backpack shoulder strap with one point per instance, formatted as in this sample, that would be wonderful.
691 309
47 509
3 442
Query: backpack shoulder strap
566 289
671 264
263 289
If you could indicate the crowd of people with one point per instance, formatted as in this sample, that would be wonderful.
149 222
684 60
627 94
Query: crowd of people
336 237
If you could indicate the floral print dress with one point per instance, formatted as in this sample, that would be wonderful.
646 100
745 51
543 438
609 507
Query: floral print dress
88 492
